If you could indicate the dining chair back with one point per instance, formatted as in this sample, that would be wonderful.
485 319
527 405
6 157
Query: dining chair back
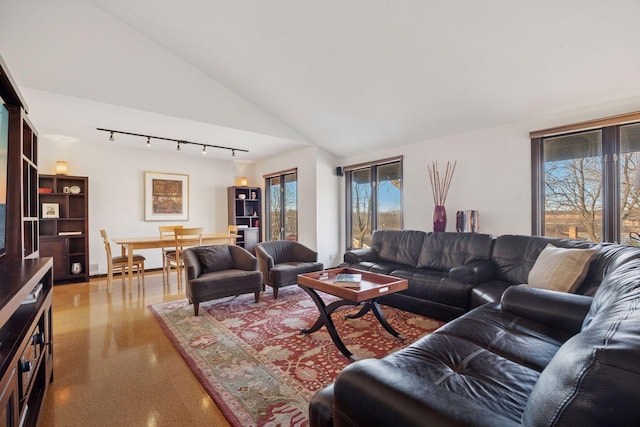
184 238
120 263
166 232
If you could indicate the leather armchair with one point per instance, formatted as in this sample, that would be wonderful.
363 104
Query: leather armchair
219 271
280 262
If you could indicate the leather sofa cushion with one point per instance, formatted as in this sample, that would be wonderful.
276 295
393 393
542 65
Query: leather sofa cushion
515 255
513 337
428 285
398 247
443 251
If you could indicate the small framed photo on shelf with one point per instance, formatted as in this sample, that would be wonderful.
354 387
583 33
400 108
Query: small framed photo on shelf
50 210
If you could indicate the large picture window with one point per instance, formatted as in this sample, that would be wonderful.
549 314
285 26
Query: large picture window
374 200
282 206
586 183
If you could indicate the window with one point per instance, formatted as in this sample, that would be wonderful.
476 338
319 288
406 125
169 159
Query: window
374 200
282 201
586 183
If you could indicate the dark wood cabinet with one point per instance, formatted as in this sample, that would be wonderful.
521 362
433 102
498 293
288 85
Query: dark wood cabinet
64 230
26 351
26 355
245 210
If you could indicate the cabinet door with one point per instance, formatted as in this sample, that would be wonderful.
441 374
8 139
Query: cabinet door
56 248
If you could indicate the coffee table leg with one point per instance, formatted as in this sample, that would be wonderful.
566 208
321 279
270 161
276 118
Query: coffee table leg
380 316
325 319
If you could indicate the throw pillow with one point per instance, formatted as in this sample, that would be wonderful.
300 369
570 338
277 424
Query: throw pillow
560 269
215 258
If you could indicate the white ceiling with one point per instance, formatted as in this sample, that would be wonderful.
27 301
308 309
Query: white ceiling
273 76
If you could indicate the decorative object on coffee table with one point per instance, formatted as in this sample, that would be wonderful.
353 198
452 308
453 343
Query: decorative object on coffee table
440 189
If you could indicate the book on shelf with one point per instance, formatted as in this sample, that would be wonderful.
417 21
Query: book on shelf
33 295
348 280
69 233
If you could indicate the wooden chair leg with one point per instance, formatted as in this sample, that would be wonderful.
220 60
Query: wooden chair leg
257 297
196 308
275 292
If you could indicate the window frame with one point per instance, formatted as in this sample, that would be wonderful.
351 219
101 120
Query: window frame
373 165
610 134
267 201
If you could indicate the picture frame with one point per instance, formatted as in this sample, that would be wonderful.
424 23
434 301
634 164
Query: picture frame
166 196
50 210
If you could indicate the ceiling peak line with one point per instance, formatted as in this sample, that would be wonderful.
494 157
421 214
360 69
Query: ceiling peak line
179 142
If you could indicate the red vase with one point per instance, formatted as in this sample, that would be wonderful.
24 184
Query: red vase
439 219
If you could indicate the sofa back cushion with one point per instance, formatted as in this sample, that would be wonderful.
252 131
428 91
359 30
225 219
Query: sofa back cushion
398 246
515 255
593 378
443 251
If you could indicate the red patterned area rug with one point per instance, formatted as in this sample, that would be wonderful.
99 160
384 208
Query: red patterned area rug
255 364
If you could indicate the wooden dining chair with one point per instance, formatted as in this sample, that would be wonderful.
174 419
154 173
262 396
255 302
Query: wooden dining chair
120 263
184 238
166 232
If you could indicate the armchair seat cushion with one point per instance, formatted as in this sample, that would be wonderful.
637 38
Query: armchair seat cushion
287 272
219 284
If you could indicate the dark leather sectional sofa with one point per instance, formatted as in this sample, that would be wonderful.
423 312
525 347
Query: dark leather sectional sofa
451 273
530 357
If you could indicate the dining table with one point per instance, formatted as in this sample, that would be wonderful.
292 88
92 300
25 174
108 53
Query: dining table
130 244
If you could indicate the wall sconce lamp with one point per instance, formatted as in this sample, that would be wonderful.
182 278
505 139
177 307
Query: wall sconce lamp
61 168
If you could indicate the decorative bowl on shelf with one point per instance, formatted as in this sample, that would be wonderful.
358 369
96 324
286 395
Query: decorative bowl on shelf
241 196
75 189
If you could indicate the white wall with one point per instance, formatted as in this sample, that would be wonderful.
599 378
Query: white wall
116 190
493 173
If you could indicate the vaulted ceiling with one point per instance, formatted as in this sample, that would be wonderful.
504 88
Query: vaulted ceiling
273 76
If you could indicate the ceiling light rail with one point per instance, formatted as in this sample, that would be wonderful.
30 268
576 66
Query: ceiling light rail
179 142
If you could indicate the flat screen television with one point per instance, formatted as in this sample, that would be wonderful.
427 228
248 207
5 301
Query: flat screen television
4 148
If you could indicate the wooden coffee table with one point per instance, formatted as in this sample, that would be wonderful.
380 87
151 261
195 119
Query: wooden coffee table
372 287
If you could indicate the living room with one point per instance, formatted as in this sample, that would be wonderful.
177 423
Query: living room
530 82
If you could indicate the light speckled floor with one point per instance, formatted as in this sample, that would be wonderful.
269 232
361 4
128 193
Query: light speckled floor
113 365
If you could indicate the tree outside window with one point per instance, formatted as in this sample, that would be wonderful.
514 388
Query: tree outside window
374 198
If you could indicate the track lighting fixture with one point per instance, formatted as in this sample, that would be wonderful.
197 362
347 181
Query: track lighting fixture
178 141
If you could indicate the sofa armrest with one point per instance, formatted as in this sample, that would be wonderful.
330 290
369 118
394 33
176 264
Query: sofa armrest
243 259
557 309
356 256
191 264
475 272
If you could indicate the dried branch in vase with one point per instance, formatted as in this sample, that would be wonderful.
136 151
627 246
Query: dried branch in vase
440 185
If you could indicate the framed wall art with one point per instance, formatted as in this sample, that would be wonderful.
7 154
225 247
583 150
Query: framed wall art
166 197
50 210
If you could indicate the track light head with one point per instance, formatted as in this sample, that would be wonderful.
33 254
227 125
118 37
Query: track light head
148 141
178 147
111 136
204 149
233 153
